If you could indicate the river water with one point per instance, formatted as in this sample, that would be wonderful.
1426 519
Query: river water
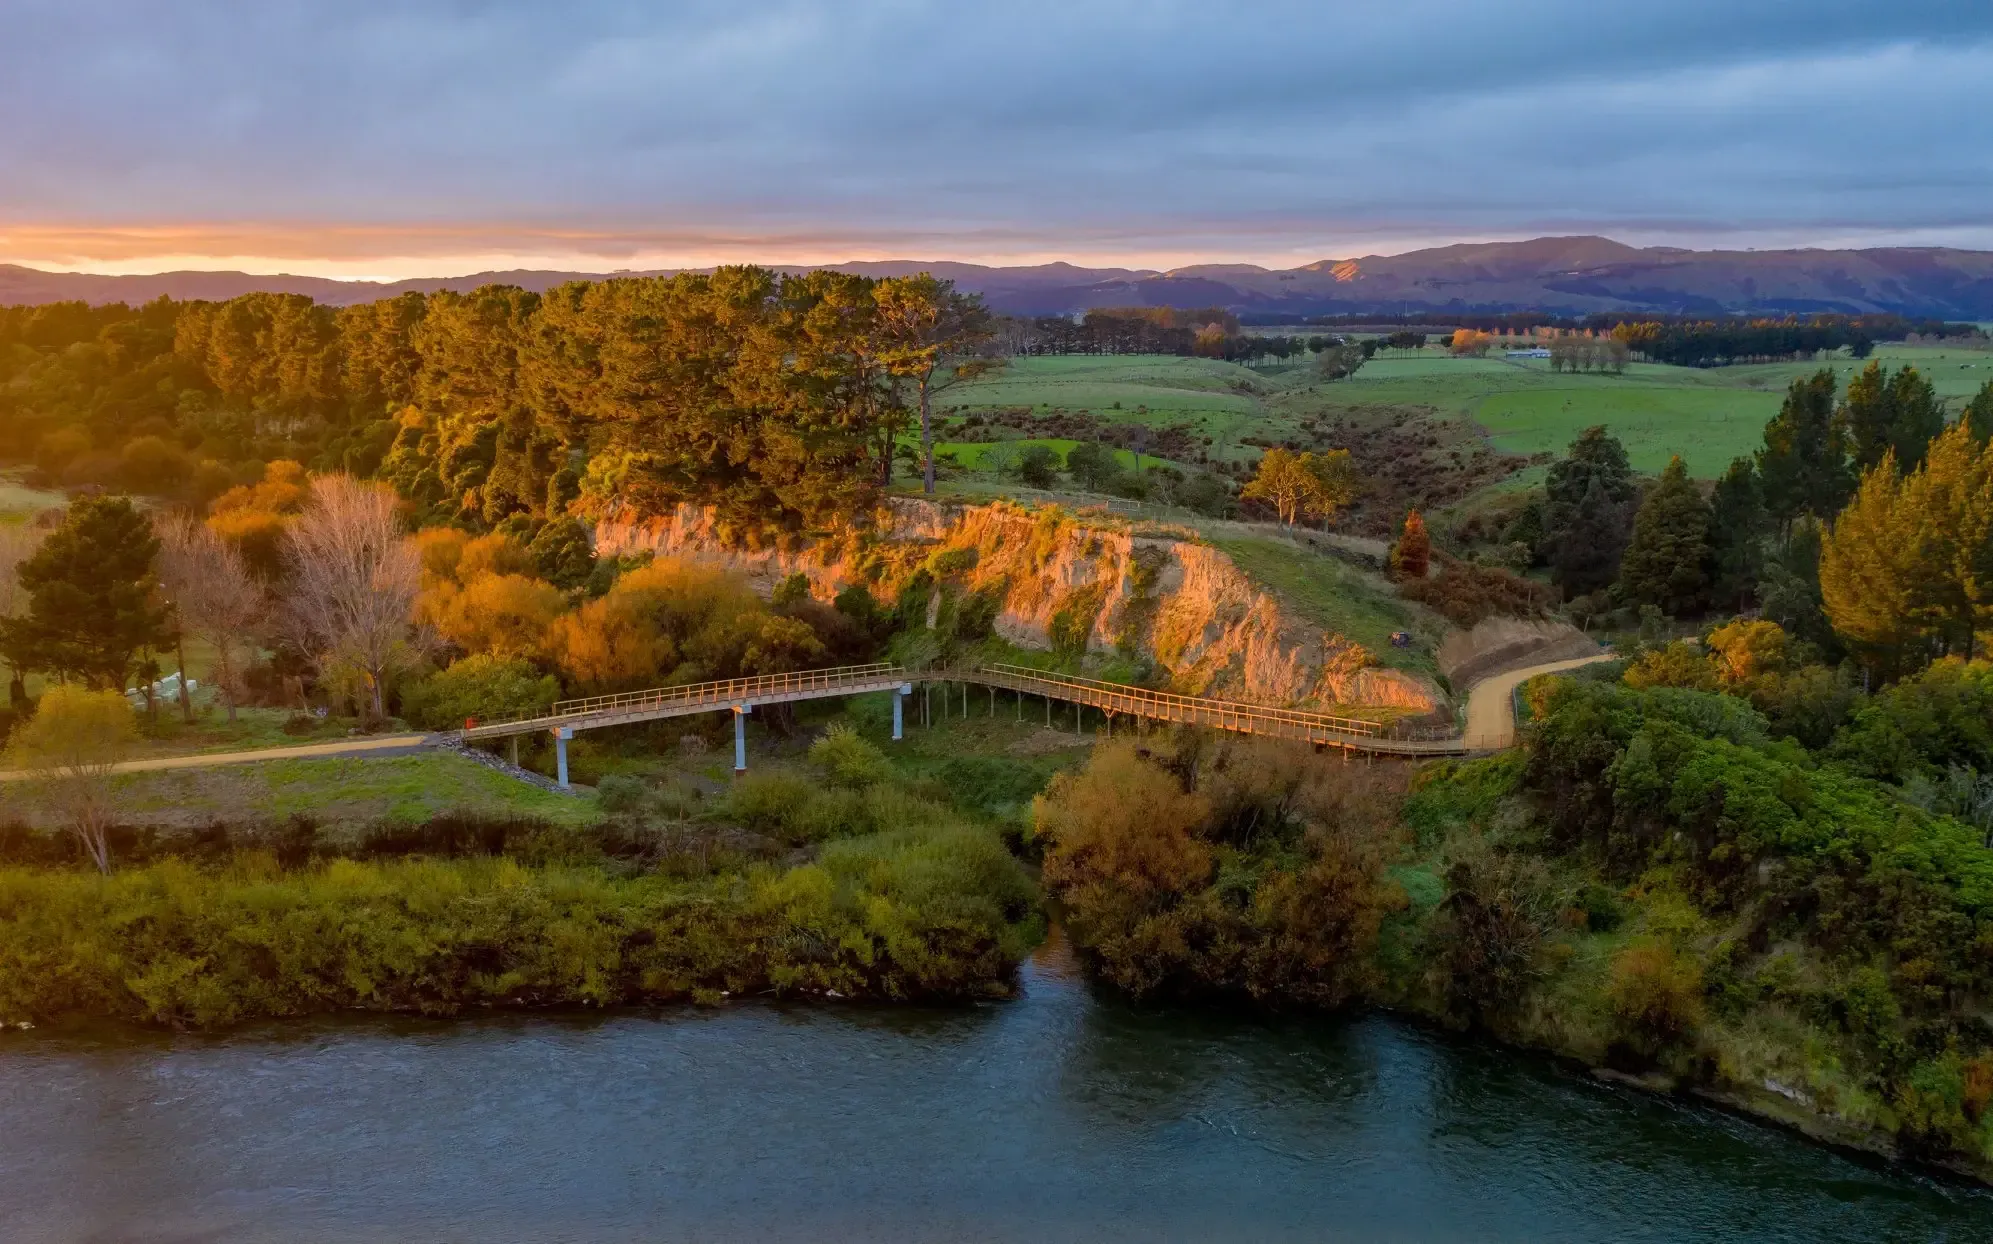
1060 1115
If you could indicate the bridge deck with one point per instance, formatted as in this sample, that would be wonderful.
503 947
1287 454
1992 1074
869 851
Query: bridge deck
634 706
1349 733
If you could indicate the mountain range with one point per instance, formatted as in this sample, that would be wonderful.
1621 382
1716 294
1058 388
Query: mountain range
1567 275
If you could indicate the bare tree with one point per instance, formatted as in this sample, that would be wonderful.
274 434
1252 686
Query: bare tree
214 596
354 577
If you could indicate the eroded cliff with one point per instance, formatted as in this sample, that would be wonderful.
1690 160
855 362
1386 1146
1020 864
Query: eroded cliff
1055 580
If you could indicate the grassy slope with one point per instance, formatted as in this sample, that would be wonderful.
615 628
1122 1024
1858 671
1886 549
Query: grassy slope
336 791
1337 597
19 503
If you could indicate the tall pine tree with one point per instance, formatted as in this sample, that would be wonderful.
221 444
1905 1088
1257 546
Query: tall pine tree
1737 529
1587 510
1889 414
1978 414
92 596
1667 560
1803 468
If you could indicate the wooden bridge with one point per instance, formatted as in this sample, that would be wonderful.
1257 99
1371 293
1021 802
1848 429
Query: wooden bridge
1351 734
1113 700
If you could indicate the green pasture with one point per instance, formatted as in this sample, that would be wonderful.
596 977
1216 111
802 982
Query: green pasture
334 791
1707 427
974 454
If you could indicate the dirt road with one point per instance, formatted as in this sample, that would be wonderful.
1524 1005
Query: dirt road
1491 719
380 744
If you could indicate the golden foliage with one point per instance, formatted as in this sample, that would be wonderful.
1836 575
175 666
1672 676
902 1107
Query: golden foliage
499 615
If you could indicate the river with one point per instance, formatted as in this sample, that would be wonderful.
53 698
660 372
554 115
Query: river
1060 1115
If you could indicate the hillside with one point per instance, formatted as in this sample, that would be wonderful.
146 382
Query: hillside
1572 275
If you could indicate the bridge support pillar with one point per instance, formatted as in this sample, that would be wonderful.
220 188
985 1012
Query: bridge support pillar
740 737
899 700
561 735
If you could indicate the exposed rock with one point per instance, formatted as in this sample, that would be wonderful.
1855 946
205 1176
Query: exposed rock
1066 580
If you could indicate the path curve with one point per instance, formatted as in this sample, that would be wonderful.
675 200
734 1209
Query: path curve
1491 719
388 743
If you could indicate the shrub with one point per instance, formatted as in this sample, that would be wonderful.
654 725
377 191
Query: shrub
1465 593
478 686
847 759
1655 992
1038 466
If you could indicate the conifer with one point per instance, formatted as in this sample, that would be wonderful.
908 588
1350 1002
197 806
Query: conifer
1667 561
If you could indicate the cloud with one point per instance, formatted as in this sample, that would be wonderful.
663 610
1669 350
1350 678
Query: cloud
368 132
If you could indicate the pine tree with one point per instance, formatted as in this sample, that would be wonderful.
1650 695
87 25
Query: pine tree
1588 506
1978 414
1900 414
1803 468
1667 561
1737 529
91 596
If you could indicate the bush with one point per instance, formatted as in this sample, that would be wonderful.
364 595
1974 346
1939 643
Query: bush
1655 993
1038 466
1465 593
914 914
478 686
848 760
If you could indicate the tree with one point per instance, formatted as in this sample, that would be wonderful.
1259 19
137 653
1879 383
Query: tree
1036 466
1881 415
501 615
212 594
1737 529
1092 465
1978 414
1803 467
1666 563
1587 510
1411 556
1339 362
17 544
479 686
353 583
563 554
1315 485
73 743
92 599
1907 568
928 326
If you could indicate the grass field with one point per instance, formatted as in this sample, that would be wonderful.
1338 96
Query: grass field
1708 415
335 791
19 503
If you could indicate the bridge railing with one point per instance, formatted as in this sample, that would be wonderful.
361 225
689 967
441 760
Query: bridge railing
722 692
1119 697
727 691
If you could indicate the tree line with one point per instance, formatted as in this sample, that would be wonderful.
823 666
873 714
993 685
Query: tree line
778 398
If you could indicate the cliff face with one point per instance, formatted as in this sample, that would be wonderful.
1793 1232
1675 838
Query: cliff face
1056 581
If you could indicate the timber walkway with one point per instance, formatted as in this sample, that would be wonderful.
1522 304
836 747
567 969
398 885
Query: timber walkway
1351 734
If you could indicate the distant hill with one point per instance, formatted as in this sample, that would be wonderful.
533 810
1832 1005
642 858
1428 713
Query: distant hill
1573 275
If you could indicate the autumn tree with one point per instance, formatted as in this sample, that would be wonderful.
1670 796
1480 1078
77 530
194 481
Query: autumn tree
1310 484
1666 563
1469 341
92 596
73 744
1906 571
252 517
929 328
352 585
213 596
1587 511
1411 556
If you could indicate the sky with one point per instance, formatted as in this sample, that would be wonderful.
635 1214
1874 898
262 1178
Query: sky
360 139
